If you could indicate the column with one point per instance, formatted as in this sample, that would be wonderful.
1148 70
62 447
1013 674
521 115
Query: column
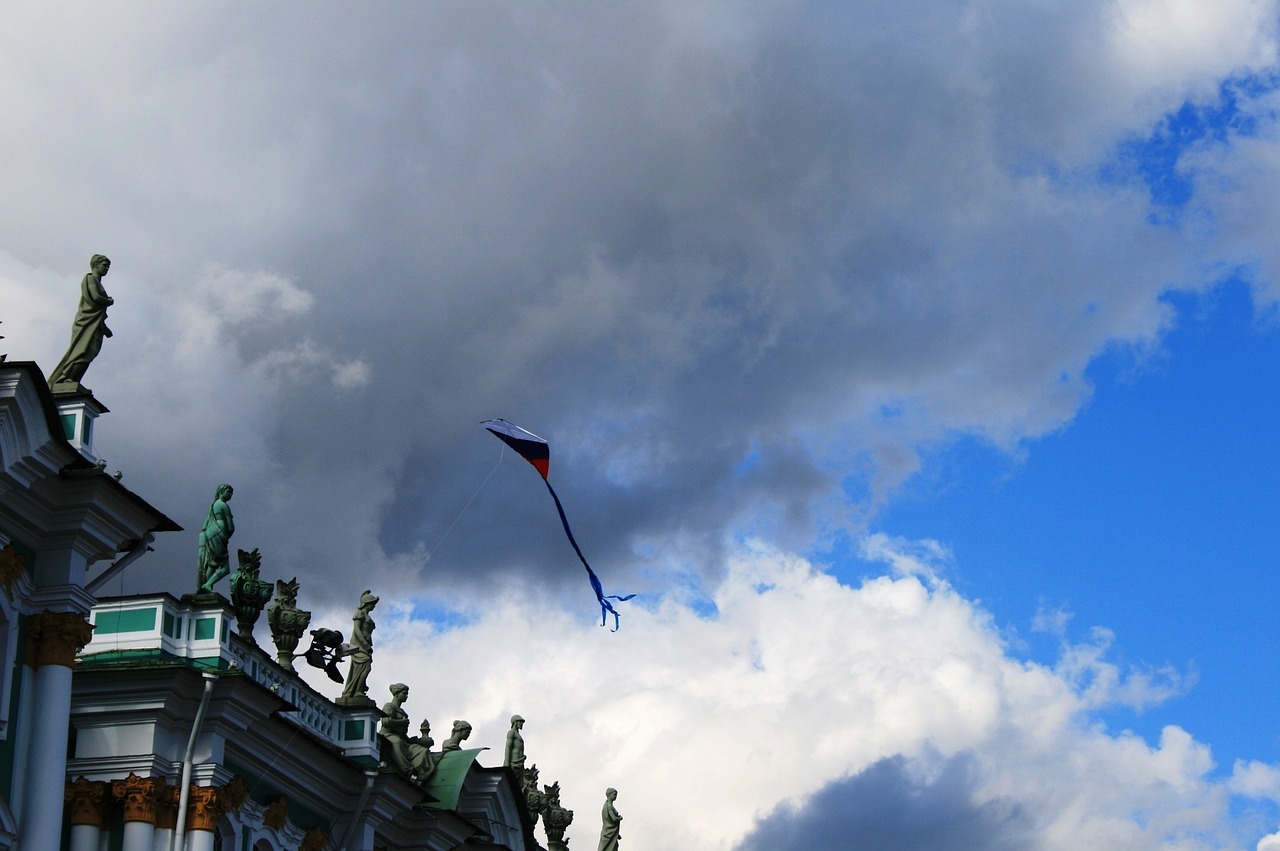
88 802
137 795
202 820
52 641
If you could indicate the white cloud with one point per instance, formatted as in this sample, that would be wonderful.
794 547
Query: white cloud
668 239
736 260
706 724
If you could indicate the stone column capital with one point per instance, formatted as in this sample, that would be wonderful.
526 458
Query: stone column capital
138 796
88 800
204 808
166 806
54 638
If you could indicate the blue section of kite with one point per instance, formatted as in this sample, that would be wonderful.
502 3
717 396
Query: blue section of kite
537 452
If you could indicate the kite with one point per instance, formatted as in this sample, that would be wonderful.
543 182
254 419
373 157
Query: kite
537 452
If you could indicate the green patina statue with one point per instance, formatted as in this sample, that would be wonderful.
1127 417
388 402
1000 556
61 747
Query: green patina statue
218 528
611 822
356 689
249 592
410 755
534 799
555 819
461 732
514 754
88 329
287 621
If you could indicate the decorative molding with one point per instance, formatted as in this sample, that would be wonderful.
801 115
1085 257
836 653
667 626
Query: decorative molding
167 806
277 814
138 796
12 567
317 839
204 808
233 794
88 800
54 638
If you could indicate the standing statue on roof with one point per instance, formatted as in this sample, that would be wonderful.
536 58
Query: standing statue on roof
514 754
218 528
356 689
88 329
611 822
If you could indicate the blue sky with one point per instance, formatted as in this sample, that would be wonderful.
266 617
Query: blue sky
1150 515
916 364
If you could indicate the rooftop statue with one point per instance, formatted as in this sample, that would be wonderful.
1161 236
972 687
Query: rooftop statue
356 689
514 755
395 727
410 755
535 800
461 732
88 329
555 819
422 763
218 528
325 651
287 621
249 592
611 822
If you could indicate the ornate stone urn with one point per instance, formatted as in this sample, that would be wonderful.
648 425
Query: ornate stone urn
249 593
555 819
287 622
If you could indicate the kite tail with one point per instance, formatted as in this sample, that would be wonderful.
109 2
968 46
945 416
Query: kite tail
606 608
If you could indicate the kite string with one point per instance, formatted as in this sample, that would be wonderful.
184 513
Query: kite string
501 451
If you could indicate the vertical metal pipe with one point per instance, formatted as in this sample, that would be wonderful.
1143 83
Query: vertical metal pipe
184 794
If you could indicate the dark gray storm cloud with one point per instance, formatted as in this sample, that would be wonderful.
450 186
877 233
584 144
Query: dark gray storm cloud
733 260
886 808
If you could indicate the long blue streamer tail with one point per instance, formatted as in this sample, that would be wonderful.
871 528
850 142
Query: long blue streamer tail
606 608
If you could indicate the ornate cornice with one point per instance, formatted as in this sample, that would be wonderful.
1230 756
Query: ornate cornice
54 638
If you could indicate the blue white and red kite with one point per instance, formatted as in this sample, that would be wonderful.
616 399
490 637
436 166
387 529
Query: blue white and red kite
537 452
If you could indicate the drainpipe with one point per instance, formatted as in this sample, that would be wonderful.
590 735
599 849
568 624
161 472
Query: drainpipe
369 776
179 837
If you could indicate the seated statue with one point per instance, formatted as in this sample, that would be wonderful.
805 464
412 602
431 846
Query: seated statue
410 755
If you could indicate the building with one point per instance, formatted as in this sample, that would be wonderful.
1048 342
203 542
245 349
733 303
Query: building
151 723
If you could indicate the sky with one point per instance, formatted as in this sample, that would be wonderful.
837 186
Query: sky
915 365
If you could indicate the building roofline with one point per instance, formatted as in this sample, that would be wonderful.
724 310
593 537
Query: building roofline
80 466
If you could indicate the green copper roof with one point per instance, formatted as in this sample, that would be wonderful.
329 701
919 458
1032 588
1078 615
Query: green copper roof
445 785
